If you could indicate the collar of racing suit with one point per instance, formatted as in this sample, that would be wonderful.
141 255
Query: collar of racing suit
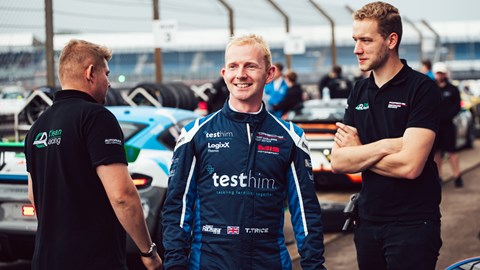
244 117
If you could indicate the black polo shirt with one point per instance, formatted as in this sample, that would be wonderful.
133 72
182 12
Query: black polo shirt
77 227
450 103
410 99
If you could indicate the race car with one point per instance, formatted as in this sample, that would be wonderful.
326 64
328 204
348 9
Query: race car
317 118
150 136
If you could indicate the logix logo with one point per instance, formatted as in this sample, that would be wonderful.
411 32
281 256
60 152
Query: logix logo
44 139
214 147
243 181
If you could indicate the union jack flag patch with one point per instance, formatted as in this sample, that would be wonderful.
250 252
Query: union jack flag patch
233 230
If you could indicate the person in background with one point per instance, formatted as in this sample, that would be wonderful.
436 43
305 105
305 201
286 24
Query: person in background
275 90
362 74
219 94
78 180
335 83
387 134
446 137
426 68
231 174
294 98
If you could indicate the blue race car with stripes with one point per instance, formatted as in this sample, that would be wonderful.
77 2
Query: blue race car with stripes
150 136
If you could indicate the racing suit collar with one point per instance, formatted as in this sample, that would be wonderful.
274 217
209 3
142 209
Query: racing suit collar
244 117
233 109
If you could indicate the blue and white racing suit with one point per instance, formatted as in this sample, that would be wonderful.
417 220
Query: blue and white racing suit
231 177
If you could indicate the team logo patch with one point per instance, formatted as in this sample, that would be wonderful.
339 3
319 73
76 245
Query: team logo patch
44 139
362 107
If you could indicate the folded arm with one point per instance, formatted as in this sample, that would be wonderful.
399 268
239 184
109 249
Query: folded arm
403 157
349 155
410 160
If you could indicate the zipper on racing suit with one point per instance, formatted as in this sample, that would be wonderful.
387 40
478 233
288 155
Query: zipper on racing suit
252 129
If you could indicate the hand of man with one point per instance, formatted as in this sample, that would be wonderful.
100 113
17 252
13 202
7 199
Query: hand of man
153 263
346 136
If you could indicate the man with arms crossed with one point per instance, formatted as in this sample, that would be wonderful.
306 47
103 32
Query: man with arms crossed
387 134
78 180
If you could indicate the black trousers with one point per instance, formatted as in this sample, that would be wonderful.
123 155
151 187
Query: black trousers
397 245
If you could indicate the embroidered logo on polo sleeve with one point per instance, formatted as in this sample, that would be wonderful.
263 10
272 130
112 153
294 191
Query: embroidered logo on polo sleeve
113 141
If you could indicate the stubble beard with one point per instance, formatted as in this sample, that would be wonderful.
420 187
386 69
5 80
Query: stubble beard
379 61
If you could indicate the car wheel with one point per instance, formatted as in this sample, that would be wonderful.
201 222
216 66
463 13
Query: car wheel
34 109
37 105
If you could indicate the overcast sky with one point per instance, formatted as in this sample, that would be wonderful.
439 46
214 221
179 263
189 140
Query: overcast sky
136 15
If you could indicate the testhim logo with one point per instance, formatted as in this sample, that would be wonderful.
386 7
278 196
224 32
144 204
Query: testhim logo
218 134
243 181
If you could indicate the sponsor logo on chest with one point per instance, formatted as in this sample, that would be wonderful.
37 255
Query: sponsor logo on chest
268 138
215 147
268 149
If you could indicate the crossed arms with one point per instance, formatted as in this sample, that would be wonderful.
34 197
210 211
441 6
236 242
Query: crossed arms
402 157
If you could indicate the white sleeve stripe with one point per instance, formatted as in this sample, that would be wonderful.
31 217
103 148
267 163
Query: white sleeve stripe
300 198
299 141
187 187
187 136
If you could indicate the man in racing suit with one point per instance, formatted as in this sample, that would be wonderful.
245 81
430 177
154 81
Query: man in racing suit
232 173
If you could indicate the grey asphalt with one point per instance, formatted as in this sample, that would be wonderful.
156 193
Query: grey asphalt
460 220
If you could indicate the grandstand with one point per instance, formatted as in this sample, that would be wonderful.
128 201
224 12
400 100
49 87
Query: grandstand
198 55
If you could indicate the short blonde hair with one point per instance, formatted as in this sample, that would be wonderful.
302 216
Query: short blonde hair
252 39
77 55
